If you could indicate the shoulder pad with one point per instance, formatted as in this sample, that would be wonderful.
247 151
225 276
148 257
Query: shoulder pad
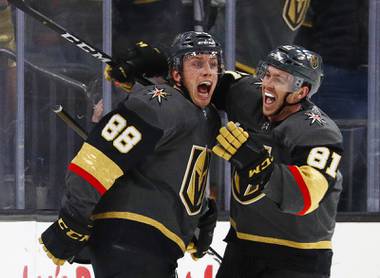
313 129
157 105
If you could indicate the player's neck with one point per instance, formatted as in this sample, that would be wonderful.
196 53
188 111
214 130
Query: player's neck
285 112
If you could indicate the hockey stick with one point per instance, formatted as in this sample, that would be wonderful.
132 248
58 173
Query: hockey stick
83 45
211 251
70 121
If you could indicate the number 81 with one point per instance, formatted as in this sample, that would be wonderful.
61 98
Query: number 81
318 158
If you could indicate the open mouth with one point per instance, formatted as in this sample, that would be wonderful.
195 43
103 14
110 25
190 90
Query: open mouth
204 89
269 98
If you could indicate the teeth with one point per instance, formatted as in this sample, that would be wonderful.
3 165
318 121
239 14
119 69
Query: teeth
269 95
207 83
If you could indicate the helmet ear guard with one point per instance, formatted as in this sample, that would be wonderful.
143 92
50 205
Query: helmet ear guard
304 65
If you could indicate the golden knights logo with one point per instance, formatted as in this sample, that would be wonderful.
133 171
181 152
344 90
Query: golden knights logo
294 12
195 179
245 193
314 61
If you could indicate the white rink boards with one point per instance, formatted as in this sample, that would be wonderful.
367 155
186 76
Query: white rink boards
356 253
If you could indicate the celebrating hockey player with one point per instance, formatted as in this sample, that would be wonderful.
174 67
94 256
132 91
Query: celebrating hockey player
285 154
135 191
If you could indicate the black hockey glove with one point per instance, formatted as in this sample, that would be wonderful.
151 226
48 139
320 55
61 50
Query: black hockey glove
141 60
64 239
250 159
206 225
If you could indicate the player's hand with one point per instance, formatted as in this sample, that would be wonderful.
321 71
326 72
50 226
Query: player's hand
141 60
207 222
249 158
230 139
97 114
63 240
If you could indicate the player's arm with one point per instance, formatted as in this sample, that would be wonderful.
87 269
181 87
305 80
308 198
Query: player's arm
116 144
205 230
226 82
141 60
298 188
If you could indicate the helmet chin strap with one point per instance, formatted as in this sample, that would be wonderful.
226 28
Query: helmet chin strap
182 88
286 103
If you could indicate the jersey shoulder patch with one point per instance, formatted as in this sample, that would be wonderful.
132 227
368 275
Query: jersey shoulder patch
309 127
162 106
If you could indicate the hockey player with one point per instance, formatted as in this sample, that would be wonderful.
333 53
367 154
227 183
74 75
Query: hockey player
286 181
136 189
285 154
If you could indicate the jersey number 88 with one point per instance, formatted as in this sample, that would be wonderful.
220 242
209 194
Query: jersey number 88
124 138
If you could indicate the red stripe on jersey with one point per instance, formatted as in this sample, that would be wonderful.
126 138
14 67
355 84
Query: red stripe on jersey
87 177
303 187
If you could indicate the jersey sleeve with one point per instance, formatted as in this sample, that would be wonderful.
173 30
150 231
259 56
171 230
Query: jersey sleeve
122 139
225 84
301 185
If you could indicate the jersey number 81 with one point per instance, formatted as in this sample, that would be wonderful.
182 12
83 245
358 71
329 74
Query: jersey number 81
319 157
124 138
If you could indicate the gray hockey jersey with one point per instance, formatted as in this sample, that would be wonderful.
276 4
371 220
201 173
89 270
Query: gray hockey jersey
146 162
297 208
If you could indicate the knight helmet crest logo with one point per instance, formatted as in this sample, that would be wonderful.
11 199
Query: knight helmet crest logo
294 12
314 63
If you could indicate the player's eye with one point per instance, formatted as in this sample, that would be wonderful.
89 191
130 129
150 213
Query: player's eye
213 64
197 64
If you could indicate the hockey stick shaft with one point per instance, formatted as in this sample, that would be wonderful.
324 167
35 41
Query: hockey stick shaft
58 110
83 45
216 254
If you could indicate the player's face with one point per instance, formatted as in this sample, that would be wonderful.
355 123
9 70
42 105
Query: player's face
276 85
200 75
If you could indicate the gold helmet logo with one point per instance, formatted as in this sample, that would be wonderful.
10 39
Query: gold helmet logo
294 12
314 61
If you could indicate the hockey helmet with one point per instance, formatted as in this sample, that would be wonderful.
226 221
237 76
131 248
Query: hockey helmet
193 42
304 65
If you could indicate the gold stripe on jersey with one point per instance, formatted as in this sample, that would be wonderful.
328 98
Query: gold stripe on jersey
142 219
235 74
316 184
7 38
96 163
324 244
245 68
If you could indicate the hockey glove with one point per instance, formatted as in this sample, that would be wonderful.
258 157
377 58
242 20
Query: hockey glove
141 60
249 158
207 222
64 239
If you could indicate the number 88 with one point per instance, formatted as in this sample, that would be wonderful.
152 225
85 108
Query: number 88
124 139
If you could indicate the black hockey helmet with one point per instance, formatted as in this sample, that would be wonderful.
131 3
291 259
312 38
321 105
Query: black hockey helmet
304 65
193 42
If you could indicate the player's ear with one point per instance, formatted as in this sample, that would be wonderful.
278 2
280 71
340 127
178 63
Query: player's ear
301 93
298 95
176 76
304 91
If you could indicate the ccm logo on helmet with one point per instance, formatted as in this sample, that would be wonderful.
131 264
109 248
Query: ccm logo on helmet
207 42
85 47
